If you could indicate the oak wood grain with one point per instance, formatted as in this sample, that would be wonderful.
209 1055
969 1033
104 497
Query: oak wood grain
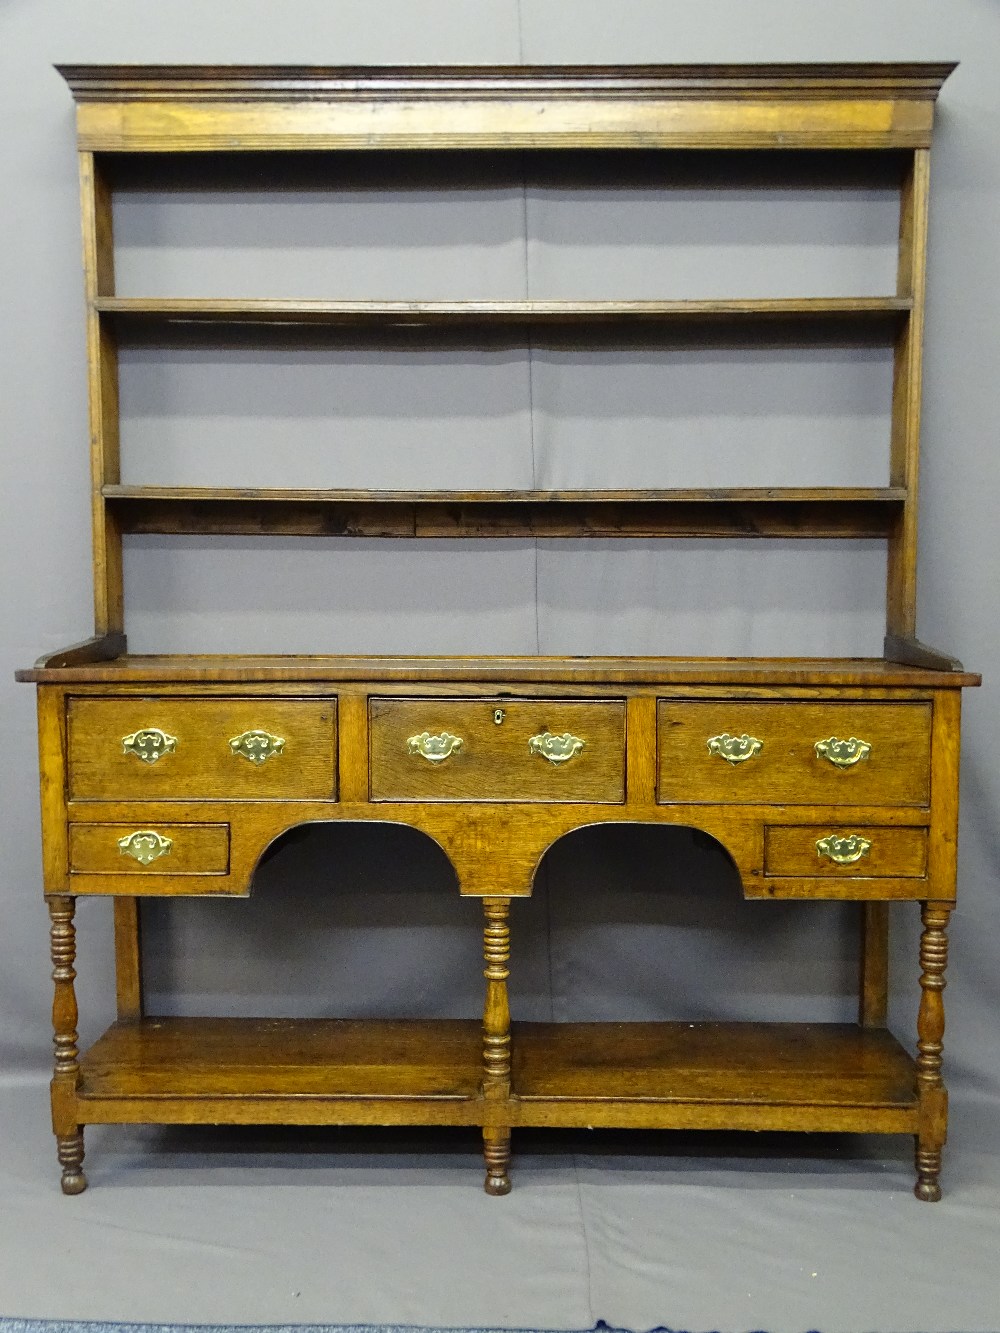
102 373
196 849
498 808
787 769
774 674
904 446
129 990
187 108
271 1057
203 763
494 761
894 852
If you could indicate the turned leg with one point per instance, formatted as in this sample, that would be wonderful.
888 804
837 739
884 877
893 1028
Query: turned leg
69 1133
930 1034
496 1040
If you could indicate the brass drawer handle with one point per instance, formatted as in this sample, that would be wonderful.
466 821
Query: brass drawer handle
257 746
845 754
845 851
148 744
556 749
435 749
734 749
145 845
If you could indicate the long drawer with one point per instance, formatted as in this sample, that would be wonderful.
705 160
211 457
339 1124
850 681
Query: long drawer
497 749
169 748
793 753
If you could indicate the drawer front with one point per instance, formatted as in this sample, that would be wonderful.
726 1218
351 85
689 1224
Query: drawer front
825 851
883 753
156 849
166 749
497 750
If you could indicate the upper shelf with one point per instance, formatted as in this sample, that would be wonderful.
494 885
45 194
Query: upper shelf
877 311
226 108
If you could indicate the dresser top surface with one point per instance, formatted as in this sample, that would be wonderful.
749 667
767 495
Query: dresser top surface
225 668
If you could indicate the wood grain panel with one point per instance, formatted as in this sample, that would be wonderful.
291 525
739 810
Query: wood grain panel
791 1063
204 1057
894 852
203 764
197 849
771 674
787 770
494 762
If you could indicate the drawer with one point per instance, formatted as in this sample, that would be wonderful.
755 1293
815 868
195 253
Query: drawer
497 750
159 849
891 767
866 852
183 749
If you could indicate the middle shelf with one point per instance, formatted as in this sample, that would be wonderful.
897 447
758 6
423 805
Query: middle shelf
690 512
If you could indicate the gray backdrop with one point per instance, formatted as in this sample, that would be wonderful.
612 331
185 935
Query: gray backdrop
639 923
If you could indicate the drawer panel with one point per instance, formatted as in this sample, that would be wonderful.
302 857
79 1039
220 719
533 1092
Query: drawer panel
786 769
893 852
491 758
180 749
157 849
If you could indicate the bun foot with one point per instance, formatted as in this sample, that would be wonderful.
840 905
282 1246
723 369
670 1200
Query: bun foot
496 1151
70 1151
73 1182
928 1186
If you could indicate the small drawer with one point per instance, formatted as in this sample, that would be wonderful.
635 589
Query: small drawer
497 749
821 851
157 849
182 749
744 751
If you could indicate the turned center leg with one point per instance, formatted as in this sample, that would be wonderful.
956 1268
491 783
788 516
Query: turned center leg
496 1040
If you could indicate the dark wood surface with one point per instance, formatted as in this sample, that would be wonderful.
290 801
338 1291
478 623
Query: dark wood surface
821 312
687 672
764 512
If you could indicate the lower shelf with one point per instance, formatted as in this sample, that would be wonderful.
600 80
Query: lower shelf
829 1077
811 1076
282 1071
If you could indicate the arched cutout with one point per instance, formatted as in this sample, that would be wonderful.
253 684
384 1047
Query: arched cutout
305 834
612 843
648 921
346 919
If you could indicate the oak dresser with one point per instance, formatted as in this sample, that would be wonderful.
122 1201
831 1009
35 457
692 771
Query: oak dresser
821 779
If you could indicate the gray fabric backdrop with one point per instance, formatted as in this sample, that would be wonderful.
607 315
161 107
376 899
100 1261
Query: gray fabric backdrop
639 923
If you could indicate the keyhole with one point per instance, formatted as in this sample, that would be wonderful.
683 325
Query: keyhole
498 716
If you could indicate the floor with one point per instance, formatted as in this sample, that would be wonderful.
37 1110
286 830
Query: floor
722 1232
